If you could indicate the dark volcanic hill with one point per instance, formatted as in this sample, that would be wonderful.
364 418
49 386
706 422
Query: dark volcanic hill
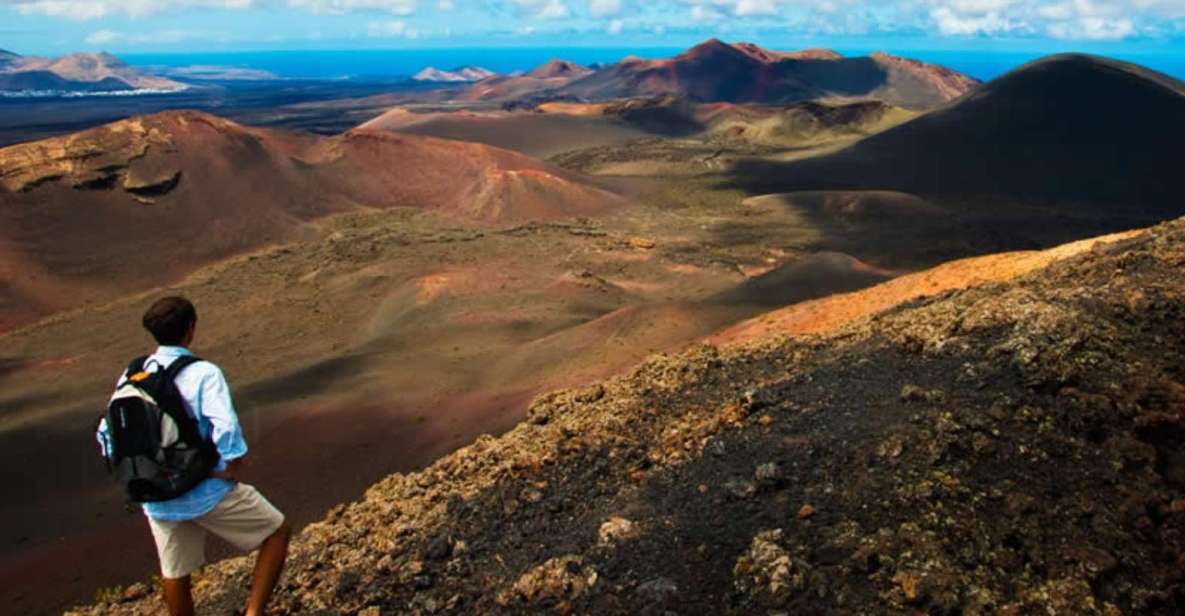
718 72
190 188
80 72
1094 133
1007 449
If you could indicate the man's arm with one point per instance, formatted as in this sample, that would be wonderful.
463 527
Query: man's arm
225 432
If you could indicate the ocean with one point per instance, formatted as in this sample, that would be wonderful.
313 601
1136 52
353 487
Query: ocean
399 64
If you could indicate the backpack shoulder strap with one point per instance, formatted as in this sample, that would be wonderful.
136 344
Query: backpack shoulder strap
171 403
179 364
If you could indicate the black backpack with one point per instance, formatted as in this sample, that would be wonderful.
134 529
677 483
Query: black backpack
156 449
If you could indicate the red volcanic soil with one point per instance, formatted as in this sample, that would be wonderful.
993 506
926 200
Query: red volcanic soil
469 180
186 189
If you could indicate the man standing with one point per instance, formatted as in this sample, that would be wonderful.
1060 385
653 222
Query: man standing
219 504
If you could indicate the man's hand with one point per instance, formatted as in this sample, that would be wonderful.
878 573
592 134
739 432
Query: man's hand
234 470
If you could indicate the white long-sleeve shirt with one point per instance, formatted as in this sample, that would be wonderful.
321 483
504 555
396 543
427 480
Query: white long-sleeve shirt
206 396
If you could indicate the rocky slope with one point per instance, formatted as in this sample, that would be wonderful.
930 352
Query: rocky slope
1011 448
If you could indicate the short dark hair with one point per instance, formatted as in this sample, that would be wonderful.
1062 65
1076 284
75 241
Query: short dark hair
169 319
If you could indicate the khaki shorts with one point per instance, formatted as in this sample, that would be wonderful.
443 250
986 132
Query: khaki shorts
243 519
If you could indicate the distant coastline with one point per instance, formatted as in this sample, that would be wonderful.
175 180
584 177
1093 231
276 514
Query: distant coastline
86 94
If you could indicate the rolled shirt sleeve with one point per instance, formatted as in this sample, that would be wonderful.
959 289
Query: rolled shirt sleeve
104 438
218 409
102 434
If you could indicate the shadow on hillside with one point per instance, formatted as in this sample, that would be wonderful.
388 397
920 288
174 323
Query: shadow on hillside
843 77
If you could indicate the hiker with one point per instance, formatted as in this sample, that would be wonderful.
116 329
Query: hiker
173 439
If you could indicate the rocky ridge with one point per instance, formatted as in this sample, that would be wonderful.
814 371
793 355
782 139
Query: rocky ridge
99 159
1005 449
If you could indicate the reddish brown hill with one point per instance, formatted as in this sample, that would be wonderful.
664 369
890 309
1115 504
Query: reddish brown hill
143 201
712 71
555 74
559 68
716 71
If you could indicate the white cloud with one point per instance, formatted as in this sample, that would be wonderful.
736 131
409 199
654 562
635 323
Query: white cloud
81 10
1093 28
615 27
1063 19
339 7
604 8
705 14
161 37
544 9
1072 19
746 8
104 37
952 22
395 28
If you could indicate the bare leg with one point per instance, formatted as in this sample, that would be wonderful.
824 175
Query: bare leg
268 566
178 597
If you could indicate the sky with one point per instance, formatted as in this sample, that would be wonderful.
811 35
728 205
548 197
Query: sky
51 27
